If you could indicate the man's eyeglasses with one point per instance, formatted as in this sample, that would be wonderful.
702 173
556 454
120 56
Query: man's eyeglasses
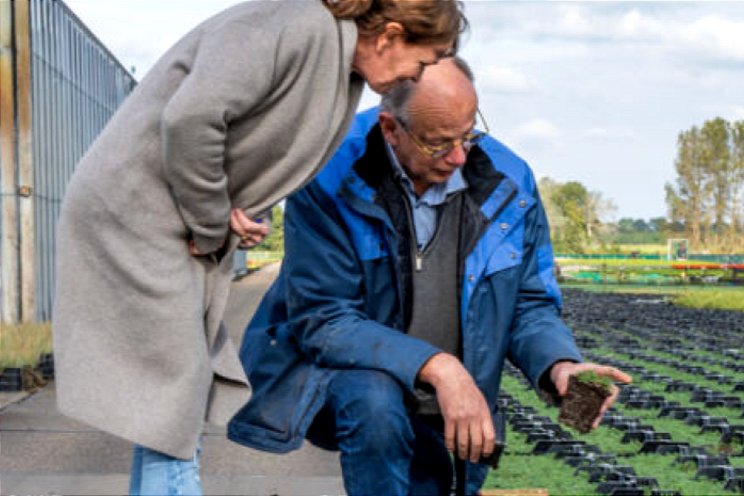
439 150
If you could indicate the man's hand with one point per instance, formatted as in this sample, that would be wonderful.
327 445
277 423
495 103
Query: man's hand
560 371
251 233
468 427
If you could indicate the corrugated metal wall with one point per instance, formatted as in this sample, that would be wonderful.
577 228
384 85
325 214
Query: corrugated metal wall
76 86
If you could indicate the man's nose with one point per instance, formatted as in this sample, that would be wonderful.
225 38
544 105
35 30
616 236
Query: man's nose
457 155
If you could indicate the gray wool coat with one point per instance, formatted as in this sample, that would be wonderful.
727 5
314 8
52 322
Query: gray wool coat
240 112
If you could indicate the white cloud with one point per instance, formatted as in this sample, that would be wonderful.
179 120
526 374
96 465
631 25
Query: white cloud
636 26
714 36
605 134
536 135
737 112
707 36
596 132
572 22
538 128
579 23
138 32
501 79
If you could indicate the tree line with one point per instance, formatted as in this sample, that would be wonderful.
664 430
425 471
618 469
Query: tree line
705 203
575 215
706 197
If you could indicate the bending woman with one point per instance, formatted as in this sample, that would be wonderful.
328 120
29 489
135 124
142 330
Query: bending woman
235 116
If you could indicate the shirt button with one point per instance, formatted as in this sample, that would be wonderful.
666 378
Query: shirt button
504 226
513 255
272 342
471 278
522 203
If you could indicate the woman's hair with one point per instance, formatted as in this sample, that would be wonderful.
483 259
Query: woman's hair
425 22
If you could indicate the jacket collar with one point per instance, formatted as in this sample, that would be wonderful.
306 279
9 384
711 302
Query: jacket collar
483 179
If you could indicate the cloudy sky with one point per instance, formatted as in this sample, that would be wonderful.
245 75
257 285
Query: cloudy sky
590 91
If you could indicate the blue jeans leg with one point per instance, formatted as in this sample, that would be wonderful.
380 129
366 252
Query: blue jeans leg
432 471
384 448
158 474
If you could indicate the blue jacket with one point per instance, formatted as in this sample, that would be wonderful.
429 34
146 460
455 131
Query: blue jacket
342 298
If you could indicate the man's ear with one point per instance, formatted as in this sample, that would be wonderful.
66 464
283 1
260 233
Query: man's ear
390 32
388 125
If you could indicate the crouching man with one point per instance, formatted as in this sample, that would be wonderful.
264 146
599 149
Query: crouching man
415 264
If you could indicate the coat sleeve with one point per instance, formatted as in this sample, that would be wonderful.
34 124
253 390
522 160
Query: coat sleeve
539 337
326 296
232 72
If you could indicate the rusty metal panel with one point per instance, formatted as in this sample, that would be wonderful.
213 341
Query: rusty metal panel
9 269
25 162
76 86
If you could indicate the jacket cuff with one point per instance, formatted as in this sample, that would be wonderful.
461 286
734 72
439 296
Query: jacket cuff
409 375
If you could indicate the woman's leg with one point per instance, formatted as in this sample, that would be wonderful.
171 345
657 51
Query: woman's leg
135 475
155 473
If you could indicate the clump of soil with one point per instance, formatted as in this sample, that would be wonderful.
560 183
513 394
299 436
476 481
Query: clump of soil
581 405
32 379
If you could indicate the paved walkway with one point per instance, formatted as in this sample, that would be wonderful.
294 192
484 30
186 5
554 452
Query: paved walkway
44 453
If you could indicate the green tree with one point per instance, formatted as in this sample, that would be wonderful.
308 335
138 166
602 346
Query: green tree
658 225
716 159
706 198
640 225
547 188
689 198
737 182
626 225
570 200
628 230
275 240
575 214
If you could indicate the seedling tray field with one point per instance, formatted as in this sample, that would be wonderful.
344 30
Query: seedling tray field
678 429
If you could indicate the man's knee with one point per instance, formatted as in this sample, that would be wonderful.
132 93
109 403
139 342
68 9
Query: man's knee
371 404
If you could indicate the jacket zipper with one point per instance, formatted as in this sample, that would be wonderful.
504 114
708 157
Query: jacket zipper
418 255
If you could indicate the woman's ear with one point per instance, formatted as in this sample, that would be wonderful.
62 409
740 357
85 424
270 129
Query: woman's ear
390 32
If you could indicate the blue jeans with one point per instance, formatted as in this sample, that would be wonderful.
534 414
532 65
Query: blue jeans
385 448
158 474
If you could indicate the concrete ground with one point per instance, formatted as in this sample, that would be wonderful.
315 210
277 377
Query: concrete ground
44 453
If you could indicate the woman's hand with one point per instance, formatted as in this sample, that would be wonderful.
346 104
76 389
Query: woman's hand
251 232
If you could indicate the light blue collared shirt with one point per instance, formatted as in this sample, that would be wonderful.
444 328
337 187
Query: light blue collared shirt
423 208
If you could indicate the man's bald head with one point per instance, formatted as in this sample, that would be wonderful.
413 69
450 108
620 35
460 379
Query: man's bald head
443 84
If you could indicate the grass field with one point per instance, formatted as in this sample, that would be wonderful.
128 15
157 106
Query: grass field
725 298
643 249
